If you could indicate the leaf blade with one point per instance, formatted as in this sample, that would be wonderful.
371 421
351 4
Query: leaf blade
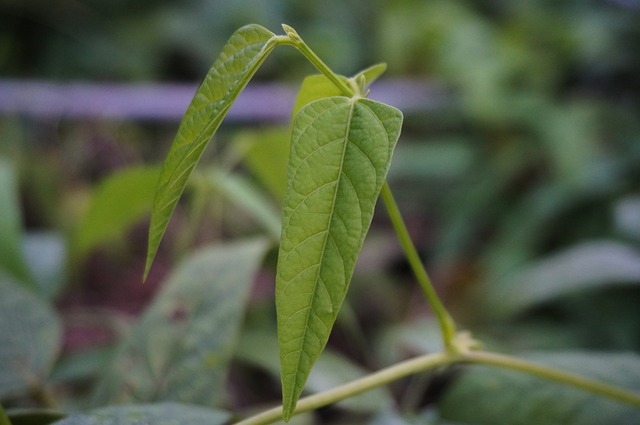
340 154
181 347
241 57
30 339
117 203
582 267
11 257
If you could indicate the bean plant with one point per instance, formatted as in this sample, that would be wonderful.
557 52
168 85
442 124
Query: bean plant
342 144
171 366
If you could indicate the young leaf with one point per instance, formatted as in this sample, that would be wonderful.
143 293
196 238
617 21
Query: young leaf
181 348
240 59
340 153
318 86
315 87
372 73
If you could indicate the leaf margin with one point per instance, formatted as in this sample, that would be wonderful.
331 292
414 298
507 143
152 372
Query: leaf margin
167 196
291 393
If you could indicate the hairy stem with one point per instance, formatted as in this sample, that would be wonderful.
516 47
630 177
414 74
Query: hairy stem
295 40
567 378
430 362
369 382
447 325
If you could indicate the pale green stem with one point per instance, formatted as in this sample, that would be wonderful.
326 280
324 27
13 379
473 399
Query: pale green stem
296 41
369 382
447 325
432 361
567 378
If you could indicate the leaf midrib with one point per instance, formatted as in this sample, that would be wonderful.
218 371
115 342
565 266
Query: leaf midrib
352 103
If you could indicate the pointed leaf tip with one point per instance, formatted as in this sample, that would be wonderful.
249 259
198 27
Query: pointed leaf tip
241 57
340 154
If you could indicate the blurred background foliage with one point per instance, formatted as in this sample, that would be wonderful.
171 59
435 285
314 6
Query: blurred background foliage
521 188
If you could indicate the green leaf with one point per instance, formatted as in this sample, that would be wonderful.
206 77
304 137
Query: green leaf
11 258
240 59
30 336
585 266
318 86
4 419
496 396
181 347
267 156
143 414
117 203
244 194
371 74
315 87
340 154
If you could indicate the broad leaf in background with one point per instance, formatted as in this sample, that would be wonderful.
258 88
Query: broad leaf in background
46 256
11 259
241 57
156 414
589 265
180 349
491 395
340 153
266 154
241 192
117 203
627 216
30 339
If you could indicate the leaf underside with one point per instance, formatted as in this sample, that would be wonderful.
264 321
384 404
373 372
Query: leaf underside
240 59
340 154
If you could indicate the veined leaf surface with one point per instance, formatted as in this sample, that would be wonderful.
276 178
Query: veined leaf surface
340 154
240 58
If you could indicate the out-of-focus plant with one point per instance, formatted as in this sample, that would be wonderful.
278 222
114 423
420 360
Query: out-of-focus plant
536 241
